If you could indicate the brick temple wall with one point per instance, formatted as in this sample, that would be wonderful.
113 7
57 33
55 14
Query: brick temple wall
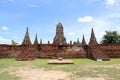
28 52
96 52
51 51
104 51
41 51
112 50
8 51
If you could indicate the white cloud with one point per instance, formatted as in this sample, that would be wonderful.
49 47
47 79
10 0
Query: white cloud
85 19
5 28
4 40
100 25
111 3
71 33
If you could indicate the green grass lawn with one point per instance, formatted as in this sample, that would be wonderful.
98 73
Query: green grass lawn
110 70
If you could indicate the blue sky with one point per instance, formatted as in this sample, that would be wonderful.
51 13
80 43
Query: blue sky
41 16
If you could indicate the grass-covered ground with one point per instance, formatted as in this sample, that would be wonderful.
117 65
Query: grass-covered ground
82 69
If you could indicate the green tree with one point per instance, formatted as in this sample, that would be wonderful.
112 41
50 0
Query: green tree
111 37
13 42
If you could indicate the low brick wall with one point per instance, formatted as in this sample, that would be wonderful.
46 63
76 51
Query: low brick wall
54 51
112 50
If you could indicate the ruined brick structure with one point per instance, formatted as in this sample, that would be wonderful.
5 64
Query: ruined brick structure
83 41
60 48
26 40
36 40
59 37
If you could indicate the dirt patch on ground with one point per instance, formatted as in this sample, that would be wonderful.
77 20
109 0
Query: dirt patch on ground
34 73
31 73
90 78
40 74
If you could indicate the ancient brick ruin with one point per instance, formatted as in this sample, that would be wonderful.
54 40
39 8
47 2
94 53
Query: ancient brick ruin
60 48
59 37
26 40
